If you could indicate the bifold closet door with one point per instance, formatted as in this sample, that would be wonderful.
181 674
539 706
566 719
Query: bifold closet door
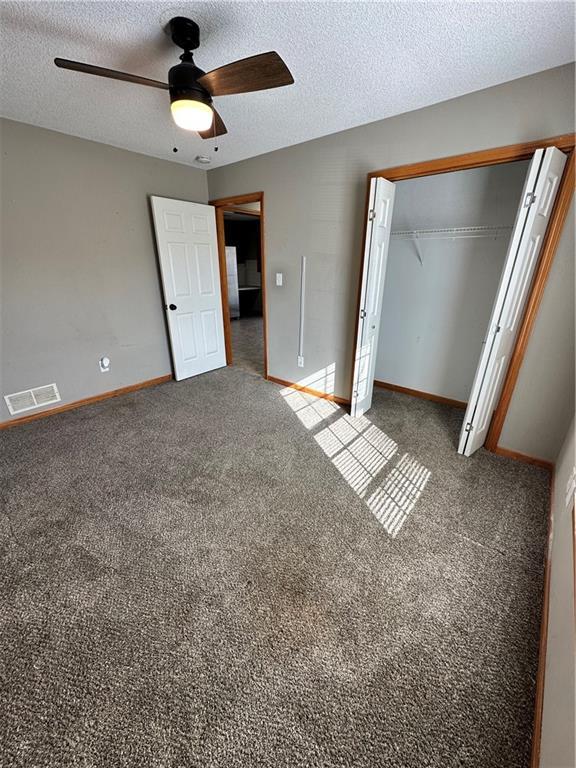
377 242
188 253
536 204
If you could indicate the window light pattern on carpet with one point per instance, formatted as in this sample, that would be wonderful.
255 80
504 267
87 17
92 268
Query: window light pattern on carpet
366 457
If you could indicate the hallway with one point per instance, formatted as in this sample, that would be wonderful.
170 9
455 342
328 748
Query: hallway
248 344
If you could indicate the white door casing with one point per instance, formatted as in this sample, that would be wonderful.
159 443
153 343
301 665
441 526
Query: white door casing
536 203
188 253
378 228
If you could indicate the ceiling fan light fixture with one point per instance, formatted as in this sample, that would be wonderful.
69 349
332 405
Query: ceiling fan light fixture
192 115
191 89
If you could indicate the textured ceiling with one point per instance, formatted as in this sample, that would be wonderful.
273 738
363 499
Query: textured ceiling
353 62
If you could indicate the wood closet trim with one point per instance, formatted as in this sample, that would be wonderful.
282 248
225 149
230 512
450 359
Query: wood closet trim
235 204
543 642
419 393
506 154
544 463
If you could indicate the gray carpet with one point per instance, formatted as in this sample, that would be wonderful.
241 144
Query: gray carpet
248 344
199 575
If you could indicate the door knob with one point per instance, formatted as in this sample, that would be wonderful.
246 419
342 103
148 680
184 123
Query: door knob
172 307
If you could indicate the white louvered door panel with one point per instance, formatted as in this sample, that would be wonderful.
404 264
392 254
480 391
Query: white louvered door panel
378 229
188 252
536 205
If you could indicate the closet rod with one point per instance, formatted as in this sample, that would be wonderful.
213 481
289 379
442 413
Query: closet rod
450 233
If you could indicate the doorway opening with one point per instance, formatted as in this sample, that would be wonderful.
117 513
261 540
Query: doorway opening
244 277
240 230
456 256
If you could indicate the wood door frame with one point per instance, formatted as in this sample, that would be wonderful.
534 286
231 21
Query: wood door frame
234 205
245 211
496 156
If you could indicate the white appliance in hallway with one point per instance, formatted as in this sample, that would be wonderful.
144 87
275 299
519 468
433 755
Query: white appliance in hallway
188 253
232 274
532 219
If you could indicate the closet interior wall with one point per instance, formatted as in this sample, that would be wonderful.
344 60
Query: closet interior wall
444 265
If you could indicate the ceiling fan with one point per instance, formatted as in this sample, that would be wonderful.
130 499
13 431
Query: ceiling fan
191 89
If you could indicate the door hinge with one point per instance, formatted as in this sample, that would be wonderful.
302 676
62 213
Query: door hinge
497 329
530 199
468 427
371 214
362 314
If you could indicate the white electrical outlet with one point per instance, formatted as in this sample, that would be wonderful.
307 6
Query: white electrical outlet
300 361
279 278
104 364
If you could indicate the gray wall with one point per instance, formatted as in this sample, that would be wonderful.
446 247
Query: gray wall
314 200
438 294
78 265
544 394
557 749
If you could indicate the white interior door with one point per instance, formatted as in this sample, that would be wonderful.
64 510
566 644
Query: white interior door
532 219
188 252
378 229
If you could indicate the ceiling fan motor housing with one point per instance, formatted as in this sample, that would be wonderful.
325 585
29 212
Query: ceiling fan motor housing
185 33
182 80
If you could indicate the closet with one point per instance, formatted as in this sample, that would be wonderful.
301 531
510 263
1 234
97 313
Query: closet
447 248
447 269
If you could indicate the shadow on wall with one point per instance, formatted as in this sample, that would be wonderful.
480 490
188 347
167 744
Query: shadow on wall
367 458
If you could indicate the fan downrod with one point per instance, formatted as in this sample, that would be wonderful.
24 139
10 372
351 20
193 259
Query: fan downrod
185 33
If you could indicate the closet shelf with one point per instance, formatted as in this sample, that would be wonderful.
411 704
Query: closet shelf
451 233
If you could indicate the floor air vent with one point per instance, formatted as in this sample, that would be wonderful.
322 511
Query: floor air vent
32 398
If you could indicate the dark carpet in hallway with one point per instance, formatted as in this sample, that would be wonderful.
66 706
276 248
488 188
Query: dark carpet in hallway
220 573
248 344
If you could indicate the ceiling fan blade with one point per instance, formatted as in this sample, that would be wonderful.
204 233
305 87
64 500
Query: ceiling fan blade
216 129
89 69
256 73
